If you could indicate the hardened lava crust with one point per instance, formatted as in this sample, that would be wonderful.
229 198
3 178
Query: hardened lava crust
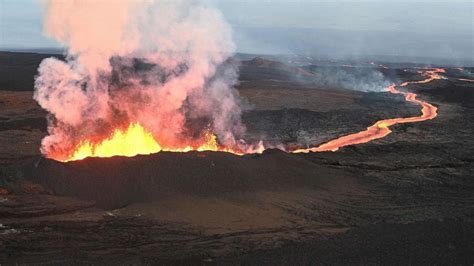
405 198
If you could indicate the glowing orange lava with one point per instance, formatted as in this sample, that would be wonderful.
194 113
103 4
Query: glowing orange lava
382 128
136 140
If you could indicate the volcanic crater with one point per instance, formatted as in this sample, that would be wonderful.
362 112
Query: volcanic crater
268 208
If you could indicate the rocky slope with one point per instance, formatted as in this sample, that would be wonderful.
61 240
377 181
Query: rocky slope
404 199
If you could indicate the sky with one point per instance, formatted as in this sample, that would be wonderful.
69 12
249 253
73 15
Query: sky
432 28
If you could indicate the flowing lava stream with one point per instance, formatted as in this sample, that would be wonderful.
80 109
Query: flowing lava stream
382 128
135 139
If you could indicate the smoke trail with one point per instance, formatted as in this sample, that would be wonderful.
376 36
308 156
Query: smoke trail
159 63
357 78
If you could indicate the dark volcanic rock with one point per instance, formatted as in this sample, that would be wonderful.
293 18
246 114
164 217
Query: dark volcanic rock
403 199
119 181
448 242
17 70
28 206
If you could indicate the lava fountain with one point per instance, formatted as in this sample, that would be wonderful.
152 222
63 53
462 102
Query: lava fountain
135 140
144 76
140 76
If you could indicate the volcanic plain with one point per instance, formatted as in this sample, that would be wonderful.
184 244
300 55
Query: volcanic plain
406 198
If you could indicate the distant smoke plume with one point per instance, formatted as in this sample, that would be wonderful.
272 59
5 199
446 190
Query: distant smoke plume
352 78
158 63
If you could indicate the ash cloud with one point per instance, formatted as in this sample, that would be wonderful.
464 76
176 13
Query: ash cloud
158 63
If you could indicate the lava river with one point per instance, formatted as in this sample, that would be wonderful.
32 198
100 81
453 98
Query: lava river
136 140
382 128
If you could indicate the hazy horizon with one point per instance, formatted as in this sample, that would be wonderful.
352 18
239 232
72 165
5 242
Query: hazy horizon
340 29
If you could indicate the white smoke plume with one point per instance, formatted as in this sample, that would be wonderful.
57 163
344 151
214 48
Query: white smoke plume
159 63
357 78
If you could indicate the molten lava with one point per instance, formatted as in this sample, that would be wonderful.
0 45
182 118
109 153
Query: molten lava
130 142
135 140
382 128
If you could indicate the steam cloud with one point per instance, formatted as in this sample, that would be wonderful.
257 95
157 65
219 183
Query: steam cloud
159 63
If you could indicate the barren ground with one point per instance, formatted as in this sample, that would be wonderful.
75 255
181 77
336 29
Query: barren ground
404 199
